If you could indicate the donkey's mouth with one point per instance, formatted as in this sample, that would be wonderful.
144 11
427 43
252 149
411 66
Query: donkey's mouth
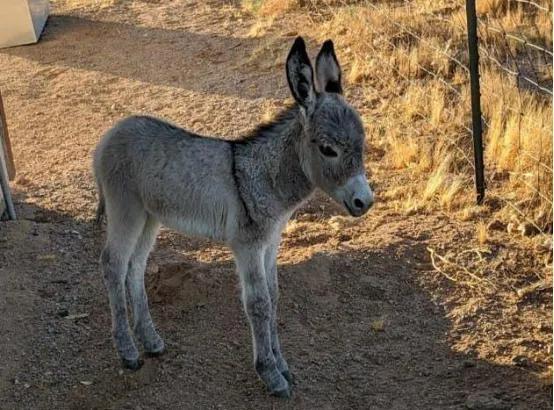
350 211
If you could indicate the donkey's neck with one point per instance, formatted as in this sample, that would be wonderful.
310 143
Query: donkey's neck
269 169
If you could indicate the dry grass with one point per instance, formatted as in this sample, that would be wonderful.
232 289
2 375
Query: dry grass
270 8
481 233
423 123
261 27
77 4
517 18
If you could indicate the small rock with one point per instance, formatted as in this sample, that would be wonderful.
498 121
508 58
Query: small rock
496 225
76 233
378 325
290 34
22 180
485 401
520 361
46 257
527 229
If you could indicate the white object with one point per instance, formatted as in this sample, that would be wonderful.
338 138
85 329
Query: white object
22 21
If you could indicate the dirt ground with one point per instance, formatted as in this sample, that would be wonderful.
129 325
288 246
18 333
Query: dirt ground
366 321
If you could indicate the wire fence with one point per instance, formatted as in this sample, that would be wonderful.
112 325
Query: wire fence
504 64
515 47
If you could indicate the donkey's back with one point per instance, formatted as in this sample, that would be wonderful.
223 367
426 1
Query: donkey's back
144 164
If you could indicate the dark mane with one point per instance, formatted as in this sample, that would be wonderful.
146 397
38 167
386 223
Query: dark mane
268 129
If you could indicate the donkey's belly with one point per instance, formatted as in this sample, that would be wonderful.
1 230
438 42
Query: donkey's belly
208 222
195 228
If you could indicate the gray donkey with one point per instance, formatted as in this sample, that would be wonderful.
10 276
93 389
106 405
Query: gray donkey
150 172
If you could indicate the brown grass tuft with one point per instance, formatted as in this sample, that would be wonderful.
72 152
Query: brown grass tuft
481 233
270 8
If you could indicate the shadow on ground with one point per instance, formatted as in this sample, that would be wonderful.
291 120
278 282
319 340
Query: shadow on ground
356 328
193 61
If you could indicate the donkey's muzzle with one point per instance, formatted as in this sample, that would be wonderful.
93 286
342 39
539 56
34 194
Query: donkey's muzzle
358 206
358 196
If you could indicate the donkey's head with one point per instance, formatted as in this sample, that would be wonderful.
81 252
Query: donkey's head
333 138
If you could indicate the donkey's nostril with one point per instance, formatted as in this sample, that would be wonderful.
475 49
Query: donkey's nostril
358 203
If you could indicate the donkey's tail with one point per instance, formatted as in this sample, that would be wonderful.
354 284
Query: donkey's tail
101 208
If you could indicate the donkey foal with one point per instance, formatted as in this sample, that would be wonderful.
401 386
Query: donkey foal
150 172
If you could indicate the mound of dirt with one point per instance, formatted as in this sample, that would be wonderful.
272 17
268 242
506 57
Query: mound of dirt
185 284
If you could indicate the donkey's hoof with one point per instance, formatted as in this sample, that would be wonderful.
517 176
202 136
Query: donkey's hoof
133 364
288 376
282 393
279 386
153 344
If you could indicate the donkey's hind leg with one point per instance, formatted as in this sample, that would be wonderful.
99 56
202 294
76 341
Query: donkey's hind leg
126 220
143 326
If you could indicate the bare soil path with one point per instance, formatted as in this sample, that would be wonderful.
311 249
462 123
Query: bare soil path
364 320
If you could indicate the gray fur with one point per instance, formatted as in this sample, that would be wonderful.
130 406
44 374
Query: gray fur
150 172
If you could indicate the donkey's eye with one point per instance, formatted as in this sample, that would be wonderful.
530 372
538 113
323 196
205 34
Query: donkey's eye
327 151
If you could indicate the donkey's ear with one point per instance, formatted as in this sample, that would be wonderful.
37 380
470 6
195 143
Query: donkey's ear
327 69
300 74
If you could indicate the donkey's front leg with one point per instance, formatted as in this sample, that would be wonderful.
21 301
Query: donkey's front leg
270 263
257 304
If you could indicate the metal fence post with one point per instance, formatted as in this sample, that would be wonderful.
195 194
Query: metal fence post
475 100
7 168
